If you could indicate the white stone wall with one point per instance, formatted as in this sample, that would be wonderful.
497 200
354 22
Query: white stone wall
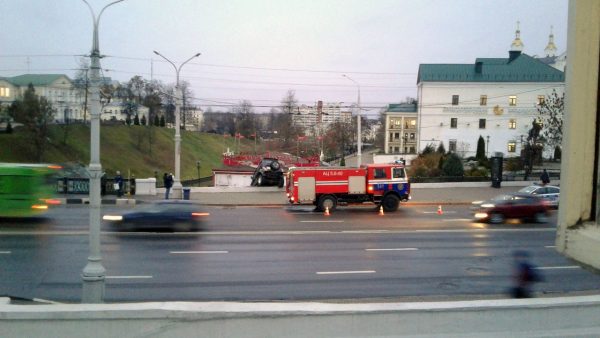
435 111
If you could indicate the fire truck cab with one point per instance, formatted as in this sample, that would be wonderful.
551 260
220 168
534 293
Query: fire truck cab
327 187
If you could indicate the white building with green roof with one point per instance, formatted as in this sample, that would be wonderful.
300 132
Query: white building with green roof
496 98
58 89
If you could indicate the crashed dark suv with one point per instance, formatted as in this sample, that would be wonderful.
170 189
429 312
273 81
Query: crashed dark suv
268 172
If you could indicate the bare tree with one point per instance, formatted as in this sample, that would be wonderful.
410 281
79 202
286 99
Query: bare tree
551 114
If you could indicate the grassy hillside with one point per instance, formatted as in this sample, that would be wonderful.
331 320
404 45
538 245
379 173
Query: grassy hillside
131 149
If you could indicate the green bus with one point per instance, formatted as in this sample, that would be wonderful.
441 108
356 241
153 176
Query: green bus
27 190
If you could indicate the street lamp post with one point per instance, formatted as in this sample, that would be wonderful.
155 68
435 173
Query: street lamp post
177 188
487 146
93 274
359 138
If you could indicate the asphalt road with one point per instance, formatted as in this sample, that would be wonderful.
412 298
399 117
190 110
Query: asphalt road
282 253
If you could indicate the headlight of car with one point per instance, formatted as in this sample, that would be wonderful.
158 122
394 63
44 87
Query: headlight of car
487 205
112 218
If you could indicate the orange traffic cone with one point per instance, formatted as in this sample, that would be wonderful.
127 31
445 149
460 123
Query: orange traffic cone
439 211
381 211
326 211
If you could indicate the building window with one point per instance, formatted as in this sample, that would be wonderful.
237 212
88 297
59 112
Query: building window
481 123
512 124
455 100
4 92
396 136
412 150
541 100
396 149
483 100
453 122
452 146
412 136
512 146
391 137
512 100
413 123
405 150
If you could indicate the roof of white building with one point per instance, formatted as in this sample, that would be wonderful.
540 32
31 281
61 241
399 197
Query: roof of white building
517 68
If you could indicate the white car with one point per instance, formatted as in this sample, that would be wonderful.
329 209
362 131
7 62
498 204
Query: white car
549 193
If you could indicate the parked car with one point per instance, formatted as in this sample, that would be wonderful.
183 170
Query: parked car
549 193
178 215
502 207
268 172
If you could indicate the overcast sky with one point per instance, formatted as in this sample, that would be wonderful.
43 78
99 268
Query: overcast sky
259 49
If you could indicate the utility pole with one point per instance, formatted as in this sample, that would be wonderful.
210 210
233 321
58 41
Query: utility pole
93 274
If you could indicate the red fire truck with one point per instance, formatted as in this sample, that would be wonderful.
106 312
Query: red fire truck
326 187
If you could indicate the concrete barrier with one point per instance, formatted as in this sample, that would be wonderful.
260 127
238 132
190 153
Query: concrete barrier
556 317
145 186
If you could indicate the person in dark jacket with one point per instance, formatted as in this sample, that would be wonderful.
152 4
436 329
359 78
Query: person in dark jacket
119 184
524 274
168 183
545 178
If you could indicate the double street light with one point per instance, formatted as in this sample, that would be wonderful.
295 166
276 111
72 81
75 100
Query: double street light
94 274
358 131
177 187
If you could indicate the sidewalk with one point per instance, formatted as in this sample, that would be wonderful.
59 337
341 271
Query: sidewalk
422 194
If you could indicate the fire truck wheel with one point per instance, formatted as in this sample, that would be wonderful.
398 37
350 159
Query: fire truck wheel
327 201
390 203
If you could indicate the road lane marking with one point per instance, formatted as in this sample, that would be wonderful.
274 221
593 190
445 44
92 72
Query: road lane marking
128 277
550 246
393 249
200 252
321 221
457 220
5 252
485 230
558 267
264 233
344 272
435 212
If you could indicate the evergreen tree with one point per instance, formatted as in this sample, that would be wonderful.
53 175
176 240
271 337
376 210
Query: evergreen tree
453 166
162 121
156 120
429 149
143 120
9 128
343 162
128 120
557 151
480 155
441 149
136 120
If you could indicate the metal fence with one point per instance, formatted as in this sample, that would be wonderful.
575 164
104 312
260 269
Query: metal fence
76 185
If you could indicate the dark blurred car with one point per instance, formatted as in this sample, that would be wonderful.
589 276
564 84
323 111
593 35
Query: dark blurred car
268 172
178 215
501 207
549 193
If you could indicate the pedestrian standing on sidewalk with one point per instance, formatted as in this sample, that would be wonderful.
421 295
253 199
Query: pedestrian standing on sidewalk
118 185
168 182
545 178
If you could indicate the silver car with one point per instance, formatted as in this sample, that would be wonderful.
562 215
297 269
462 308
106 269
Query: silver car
548 193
